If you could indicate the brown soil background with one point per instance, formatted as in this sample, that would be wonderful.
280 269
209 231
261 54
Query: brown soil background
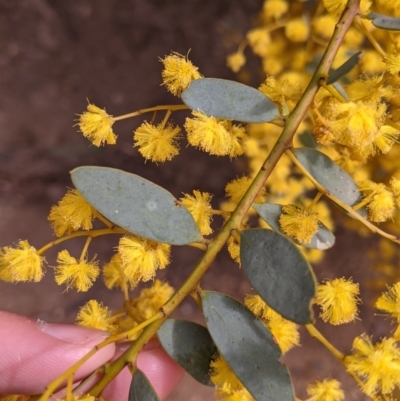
54 55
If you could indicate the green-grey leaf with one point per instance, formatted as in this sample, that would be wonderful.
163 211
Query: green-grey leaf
136 204
279 273
384 21
307 139
341 90
270 212
190 345
248 347
335 75
230 100
141 389
331 176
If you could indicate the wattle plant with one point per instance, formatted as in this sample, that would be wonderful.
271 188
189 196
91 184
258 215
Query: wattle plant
316 129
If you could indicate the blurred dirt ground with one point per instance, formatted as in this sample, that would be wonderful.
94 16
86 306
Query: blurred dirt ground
54 55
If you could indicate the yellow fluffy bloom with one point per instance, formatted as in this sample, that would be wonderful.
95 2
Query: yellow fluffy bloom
395 187
114 275
356 124
236 61
22 263
237 188
76 273
385 139
281 92
214 136
338 300
285 332
389 302
392 62
297 30
298 223
96 125
223 377
259 40
234 250
324 25
178 72
5 272
200 208
93 314
325 390
142 257
157 143
71 213
150 300
274 9
336 7
378 200
378 366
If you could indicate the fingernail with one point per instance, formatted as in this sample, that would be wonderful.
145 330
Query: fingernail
72 334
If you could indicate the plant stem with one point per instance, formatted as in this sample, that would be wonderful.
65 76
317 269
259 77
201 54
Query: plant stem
314 332
284 142
170 107
76 234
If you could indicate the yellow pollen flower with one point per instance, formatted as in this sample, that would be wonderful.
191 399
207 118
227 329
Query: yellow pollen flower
325 390
157 143
281 92
299 223
114 275
389 301
76 273
324 26
378 200
234 249
259 40
214 136
236 61
93 314
285 332
223 377
142 257
178 72
150 300
338 300
71 213
96 125
378 366
22 263
5 272
200 208
392 62
386 138
395 186
237 188
274 9
297 30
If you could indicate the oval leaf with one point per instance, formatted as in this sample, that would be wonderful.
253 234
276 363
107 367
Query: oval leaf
190 345
136 204
279 273
384 21
141 389
248 347
347 66
331 176
270 212
230 100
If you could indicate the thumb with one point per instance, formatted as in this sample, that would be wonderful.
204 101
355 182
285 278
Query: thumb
34 353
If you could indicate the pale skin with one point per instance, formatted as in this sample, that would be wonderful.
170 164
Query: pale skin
33 353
